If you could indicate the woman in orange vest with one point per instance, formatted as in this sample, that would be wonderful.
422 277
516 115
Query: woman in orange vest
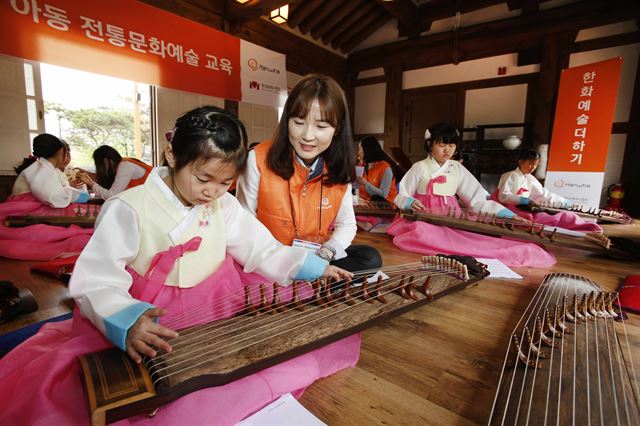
377 183
299 184
114 173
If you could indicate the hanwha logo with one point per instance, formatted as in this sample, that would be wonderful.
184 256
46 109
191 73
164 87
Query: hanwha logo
325 201
253 64
558 183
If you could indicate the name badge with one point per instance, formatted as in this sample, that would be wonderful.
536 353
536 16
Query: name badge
307 245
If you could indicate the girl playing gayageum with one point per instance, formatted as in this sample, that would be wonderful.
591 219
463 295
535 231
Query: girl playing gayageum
114 173
434 185
43 189
299 184
519 186
160 250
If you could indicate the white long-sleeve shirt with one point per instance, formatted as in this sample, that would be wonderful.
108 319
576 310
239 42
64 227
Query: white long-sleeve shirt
100 283
462 183
345 227
125 173
517 188
48 184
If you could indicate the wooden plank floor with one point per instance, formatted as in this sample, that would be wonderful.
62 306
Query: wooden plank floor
439 364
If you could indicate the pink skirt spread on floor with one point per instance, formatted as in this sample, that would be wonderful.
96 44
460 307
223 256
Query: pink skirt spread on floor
426 238
40 242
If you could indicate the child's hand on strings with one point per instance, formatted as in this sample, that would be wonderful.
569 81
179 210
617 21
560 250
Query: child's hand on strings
336 273
417 205
145 333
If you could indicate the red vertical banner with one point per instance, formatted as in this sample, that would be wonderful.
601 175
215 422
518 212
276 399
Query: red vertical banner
582 129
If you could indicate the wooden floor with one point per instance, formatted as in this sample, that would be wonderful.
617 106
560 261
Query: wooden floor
438 364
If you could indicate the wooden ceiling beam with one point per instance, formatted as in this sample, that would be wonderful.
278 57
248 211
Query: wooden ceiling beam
364 9
190 10
352 30
302 10
406 13
240 13
326 12
494 38
336 19
360 36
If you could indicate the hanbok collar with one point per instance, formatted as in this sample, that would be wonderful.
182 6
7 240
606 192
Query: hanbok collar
185 216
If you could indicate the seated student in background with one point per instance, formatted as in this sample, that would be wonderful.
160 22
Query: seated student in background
519 186
377 183
167 249
69 172
434 185
40 175
299 184
114 173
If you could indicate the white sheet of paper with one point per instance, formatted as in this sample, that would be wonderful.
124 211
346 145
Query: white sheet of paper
498 269
284 411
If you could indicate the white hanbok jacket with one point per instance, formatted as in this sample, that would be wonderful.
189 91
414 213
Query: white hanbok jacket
517 188
138 223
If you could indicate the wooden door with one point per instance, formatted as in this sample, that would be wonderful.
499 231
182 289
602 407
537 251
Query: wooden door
422 110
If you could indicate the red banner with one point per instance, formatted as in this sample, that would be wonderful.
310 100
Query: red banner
584 115
126 39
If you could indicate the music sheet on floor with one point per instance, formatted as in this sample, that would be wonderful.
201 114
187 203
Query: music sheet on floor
497 269
284 411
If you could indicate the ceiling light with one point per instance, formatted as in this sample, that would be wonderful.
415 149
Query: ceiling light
280 15
243 1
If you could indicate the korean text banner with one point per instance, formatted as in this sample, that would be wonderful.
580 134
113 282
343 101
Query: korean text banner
582 130
584 115
126 39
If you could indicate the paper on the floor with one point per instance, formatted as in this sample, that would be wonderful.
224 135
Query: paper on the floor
284 411
499 269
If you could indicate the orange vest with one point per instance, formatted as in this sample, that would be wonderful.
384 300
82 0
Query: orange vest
374 176
147 169
286 206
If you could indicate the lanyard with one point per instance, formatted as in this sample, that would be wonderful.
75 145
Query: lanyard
293 218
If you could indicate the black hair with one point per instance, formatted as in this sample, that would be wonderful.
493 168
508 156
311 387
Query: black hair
372 150
528 154
339 157
442 132
45 145
209 132
106 159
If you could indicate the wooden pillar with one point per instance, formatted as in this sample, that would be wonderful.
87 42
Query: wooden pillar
630 171
392 107
350 94
555 57
232 106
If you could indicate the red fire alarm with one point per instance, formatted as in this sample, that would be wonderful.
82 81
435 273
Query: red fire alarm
502 70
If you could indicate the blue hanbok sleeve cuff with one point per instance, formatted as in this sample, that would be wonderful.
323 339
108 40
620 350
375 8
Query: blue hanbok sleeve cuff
408 203
117 325
524 200
82 198
312 268
505 213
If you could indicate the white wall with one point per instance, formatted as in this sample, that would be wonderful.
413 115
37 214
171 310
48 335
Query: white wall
15 143
507 105
260 121
369 105
479 69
